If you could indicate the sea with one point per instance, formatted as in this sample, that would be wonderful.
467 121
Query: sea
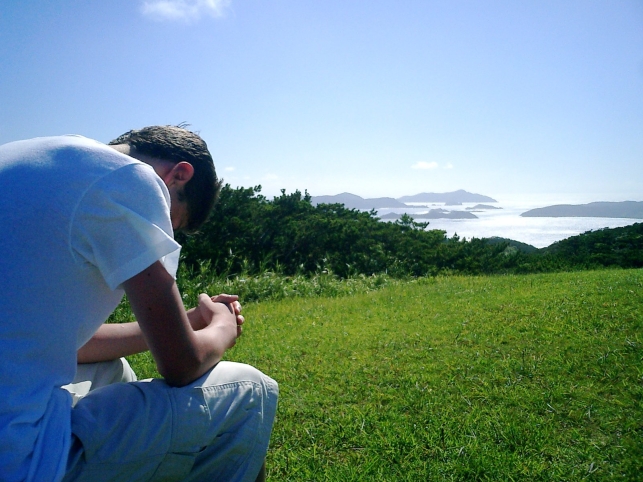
507 222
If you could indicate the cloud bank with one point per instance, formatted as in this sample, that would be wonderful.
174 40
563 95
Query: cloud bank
183 10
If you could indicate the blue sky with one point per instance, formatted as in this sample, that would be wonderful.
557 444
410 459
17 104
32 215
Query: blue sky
377 98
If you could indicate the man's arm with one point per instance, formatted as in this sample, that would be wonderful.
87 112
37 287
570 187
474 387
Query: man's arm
112 341
115 340
182 354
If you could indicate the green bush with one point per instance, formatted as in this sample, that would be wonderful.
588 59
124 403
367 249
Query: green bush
251 234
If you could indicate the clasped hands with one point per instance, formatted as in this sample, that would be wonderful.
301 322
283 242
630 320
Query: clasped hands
222 308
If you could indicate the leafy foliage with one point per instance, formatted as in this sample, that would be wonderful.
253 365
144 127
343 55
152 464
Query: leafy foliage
251 234
605 247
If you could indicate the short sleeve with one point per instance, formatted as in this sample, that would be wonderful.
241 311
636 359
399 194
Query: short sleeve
122 225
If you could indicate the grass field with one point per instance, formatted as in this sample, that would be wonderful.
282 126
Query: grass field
536 377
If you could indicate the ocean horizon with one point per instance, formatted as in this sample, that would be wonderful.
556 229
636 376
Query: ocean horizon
507 222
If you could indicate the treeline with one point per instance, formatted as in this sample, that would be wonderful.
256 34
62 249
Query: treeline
251 234
622 247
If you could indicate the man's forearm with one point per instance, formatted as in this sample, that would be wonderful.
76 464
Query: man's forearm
112 341
182 354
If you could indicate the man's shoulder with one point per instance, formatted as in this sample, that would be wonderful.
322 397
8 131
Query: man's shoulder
45 142
61 150
38 167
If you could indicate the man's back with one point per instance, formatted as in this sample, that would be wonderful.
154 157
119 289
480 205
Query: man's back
62 258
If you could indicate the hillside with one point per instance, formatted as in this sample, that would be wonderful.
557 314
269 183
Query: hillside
626 209
605 247
513 246
525 378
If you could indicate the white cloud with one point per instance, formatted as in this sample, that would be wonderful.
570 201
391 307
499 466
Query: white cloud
184 10
229 169
271 177
425 165
448 165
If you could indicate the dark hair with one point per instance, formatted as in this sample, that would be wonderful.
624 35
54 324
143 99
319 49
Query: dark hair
176 144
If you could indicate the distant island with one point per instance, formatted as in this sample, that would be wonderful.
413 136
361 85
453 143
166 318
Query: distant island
434 214
450 198
482 207
352 201
625 209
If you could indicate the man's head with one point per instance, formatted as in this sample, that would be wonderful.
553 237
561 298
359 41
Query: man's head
175 145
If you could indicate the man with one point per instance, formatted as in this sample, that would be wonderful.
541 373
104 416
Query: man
82 223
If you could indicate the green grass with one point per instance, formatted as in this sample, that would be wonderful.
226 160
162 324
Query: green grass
535 377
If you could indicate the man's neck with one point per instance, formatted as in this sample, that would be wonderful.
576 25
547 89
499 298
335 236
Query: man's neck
160 166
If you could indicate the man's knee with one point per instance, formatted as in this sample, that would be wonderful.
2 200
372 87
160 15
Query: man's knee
238 395
241 404
232 372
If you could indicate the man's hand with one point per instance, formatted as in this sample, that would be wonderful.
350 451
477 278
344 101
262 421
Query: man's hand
198 321
219 316
233 302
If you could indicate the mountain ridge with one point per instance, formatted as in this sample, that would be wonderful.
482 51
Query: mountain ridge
353 201
455 197
624 209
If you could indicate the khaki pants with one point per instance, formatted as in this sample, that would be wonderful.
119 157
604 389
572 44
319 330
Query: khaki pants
215 429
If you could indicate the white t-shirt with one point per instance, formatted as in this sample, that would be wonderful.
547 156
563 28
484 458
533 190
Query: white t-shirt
77 219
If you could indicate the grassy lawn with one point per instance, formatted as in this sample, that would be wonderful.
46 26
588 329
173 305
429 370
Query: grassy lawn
536 377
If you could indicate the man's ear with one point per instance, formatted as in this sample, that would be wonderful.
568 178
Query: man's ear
180 174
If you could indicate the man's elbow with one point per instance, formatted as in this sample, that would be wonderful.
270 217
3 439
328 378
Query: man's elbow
176 378
187 372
